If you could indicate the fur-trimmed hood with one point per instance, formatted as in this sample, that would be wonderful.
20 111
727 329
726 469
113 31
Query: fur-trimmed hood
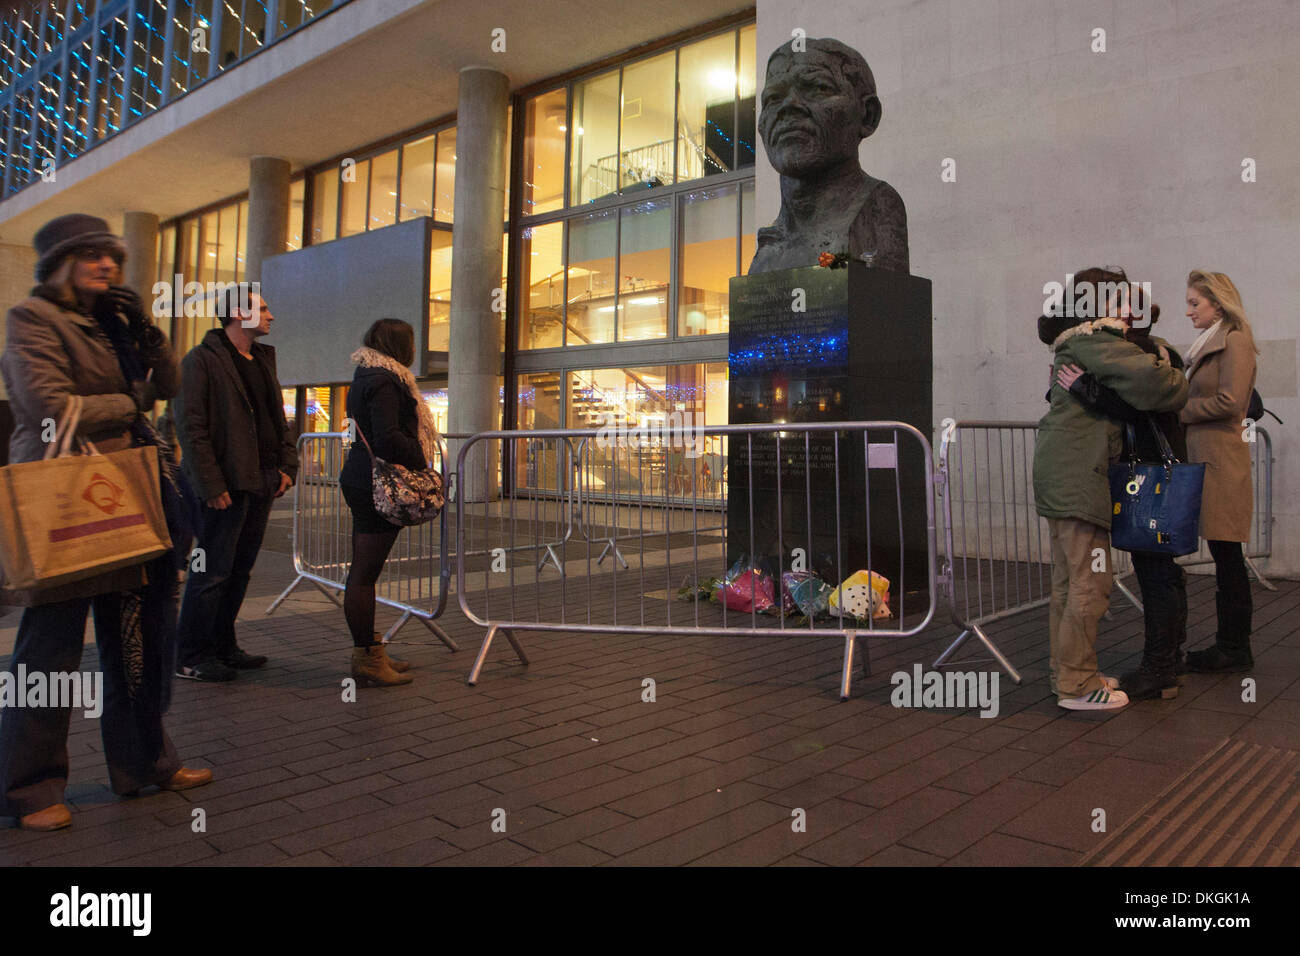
428 432
1055 331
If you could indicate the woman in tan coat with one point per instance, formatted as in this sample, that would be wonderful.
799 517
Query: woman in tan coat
79 334
1221 373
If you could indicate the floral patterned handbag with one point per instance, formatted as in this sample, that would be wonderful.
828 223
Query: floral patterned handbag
404 496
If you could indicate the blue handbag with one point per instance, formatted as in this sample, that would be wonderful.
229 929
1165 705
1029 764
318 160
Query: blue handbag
1155 507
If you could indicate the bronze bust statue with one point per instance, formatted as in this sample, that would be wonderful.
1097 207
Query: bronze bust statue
817 106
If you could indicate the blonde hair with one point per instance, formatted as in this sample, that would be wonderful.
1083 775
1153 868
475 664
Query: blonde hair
1219 289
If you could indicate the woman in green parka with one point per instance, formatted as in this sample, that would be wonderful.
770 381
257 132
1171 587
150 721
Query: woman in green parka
1075 447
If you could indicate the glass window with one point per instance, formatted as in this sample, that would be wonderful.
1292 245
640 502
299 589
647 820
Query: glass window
209 242
708 260
592 275
227 50
444 205
541 326
325 206
539 464
318 410
748 229
440 291
543 159
383 190
296 189
706 108
227 244
595 138
354 186
645 236
289 396
646 143
748 75
254 27
166 257
417 179
241 249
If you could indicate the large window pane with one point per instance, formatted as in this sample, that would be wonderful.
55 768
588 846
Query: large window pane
296 190
352 200
209 247
383 190
227 242
440 291
748 74
645 235
541 324
748 228
254 27
241 248
595 138
620 397
592 278
708 260
325 206
417 179
706 109
646 146
539 464
444 205
543 159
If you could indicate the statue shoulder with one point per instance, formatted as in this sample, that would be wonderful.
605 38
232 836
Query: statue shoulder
880 228
882 202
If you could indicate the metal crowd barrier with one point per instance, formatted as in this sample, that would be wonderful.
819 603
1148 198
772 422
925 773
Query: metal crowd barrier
417 575
997 559
639 595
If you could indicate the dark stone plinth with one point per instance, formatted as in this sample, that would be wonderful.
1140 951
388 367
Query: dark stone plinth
860 351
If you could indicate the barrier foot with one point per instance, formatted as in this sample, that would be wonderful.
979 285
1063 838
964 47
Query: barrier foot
610 545
1132 598
846 677
551 557
487 645
1254 569
440 634
1005 664
388 634
329 594
284 594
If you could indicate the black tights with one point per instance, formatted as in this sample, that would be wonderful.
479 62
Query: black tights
369 552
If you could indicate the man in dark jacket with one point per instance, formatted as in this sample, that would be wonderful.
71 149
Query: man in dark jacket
240 456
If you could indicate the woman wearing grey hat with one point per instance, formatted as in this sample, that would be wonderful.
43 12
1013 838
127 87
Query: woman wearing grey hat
79 334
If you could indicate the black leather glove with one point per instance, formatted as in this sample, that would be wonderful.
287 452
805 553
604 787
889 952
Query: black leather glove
127 304
145 394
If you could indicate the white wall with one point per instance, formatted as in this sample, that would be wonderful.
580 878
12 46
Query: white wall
1068 158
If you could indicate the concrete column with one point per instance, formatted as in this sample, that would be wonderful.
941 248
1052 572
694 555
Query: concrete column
474 358
268 212
140 232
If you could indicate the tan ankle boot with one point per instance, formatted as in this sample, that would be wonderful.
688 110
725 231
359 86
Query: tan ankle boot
395 663
371 669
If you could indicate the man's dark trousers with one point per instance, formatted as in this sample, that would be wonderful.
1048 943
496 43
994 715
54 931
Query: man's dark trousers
230 539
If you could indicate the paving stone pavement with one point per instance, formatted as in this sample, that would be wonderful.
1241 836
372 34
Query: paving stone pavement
746 756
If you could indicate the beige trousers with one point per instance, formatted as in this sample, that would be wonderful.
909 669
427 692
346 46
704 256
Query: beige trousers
1080 596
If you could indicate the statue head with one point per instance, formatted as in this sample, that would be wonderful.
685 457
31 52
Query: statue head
817 106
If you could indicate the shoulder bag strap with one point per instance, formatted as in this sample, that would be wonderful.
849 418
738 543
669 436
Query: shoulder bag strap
66 429
1166 452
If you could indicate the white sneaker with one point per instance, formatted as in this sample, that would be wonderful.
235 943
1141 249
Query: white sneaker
1103 698
1111 683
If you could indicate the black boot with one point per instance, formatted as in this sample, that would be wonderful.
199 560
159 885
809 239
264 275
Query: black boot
1164 601
1230 653
1147 682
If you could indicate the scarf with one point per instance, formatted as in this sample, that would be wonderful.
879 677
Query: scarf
429 437
1201 342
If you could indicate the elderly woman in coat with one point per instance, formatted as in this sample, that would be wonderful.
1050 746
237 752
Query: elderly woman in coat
1221 373
78 334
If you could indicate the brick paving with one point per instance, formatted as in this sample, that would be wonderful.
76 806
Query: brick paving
744 732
